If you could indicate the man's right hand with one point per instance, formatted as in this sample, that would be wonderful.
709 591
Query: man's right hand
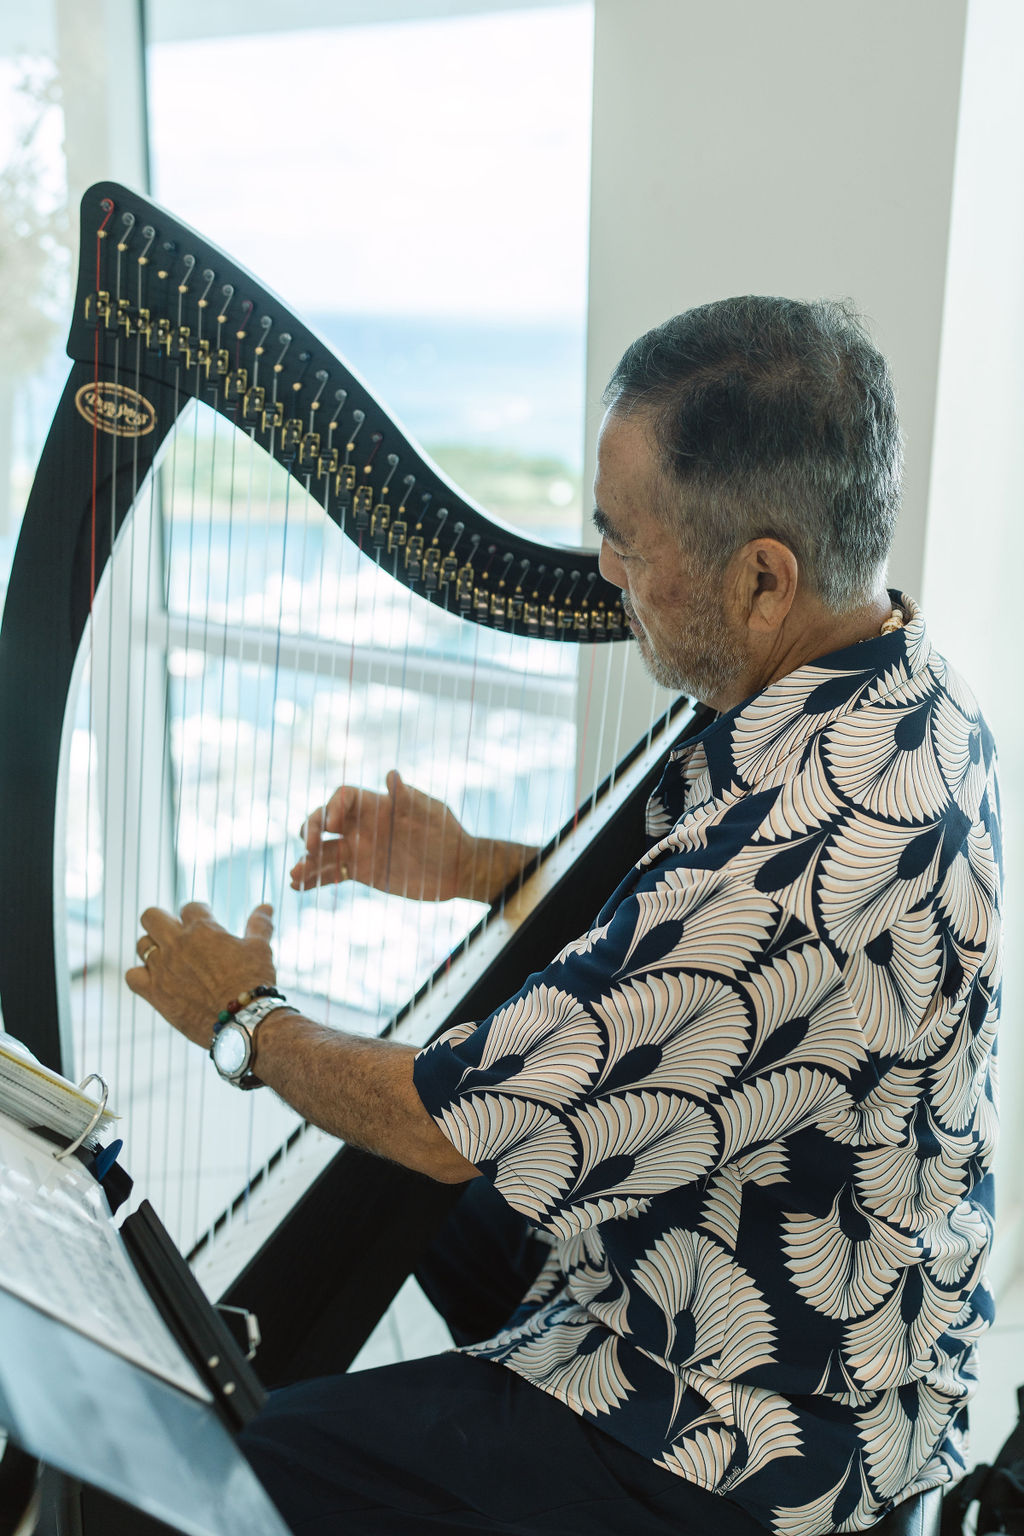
404 841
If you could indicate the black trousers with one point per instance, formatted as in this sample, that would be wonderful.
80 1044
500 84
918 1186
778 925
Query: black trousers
454 1443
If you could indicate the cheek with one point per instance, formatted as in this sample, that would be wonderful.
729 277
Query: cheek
669 596
647 599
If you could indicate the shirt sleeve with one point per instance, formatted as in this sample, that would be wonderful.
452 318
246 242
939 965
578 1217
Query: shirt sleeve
614 1074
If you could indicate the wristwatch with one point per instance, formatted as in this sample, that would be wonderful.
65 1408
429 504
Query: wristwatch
234 1046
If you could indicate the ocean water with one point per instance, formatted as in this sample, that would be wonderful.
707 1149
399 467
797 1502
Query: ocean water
485 383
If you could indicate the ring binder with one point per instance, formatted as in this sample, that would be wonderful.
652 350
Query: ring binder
101 1107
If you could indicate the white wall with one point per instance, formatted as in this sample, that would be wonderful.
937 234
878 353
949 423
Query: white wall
800 147
975 535
817 148
101 74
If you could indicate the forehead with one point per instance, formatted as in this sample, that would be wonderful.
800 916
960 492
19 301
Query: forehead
630 488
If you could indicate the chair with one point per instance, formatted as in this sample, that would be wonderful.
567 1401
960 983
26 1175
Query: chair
916 1516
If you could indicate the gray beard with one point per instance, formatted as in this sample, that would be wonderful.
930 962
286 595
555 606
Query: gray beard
705 659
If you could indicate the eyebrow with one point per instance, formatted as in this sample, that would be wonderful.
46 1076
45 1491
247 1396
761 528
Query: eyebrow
607 529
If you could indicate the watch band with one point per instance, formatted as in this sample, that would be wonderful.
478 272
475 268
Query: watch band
245 1021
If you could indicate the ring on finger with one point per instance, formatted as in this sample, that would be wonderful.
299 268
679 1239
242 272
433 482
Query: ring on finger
144 954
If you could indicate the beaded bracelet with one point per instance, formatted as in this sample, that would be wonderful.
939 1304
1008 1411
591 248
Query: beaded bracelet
242 1001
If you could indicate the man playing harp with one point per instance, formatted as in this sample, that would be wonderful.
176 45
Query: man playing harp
720 1265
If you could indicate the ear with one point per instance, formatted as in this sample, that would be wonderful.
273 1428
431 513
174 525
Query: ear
764 583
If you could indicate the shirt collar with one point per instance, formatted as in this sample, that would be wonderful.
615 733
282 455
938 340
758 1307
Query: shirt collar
747 744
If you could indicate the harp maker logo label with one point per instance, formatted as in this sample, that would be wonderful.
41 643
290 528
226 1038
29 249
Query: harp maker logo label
116 409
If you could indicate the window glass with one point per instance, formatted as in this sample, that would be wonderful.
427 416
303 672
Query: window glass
34 257
418 192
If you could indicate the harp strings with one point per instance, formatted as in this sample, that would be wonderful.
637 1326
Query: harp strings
270 615
139 569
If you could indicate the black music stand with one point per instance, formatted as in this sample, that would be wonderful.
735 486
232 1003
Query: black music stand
154 1437
95 1416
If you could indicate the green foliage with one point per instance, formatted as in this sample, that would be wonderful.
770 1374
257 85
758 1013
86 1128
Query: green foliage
540 492
34 232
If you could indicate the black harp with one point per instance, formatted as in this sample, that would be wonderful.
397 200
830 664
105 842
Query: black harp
161 319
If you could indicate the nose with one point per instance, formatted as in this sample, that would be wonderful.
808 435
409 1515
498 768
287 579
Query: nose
611 567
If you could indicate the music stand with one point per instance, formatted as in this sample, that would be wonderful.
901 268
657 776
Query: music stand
79 1405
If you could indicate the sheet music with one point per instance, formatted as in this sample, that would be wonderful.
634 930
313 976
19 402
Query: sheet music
59 1250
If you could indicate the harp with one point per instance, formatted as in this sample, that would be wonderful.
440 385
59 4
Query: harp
210 458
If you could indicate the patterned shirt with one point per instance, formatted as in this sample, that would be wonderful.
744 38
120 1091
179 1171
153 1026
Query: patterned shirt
754 1107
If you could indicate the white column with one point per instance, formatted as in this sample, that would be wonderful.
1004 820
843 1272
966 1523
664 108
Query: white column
801 147
813 148
99 56
101 70
975 536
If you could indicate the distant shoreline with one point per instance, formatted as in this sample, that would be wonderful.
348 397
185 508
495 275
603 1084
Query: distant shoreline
500 383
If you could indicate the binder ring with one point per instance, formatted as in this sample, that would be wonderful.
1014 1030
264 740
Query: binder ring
98 1113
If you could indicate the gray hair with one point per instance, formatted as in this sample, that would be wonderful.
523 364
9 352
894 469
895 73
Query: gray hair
777 419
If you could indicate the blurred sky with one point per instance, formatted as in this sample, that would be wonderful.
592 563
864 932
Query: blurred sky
435 167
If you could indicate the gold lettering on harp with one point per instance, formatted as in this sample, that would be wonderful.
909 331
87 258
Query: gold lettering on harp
115 409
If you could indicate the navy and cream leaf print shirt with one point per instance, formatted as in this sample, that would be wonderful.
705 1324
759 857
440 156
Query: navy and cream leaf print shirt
754 1107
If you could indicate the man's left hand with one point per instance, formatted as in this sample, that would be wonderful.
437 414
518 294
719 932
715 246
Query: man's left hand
192 967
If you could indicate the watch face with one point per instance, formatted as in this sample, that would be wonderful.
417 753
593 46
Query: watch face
230 1050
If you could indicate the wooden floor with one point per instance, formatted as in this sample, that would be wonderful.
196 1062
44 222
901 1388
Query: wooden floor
1000 1372
408 1330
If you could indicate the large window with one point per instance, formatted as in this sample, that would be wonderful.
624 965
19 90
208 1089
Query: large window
416 190
427 212
34 256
